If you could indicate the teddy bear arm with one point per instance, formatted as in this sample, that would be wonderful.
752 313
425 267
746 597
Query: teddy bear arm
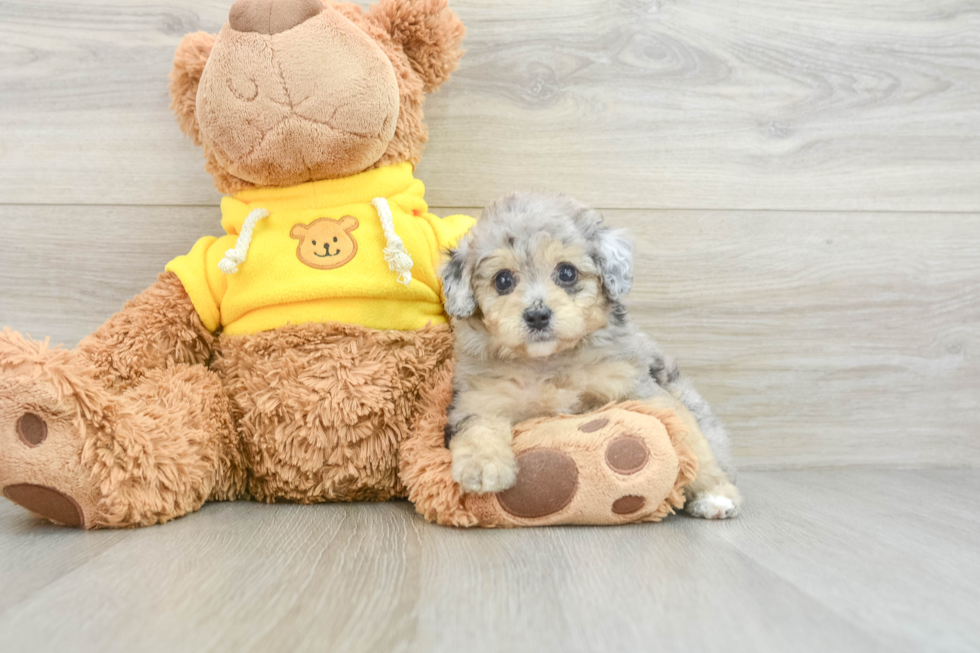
160 326
626 462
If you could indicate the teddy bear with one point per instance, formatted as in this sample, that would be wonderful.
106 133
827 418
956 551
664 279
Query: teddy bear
305 355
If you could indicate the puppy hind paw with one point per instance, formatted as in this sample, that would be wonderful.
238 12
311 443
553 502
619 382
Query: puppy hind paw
711 506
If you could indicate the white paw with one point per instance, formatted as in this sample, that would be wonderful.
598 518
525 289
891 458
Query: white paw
711 506
484 470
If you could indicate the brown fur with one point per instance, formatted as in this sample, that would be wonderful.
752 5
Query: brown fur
152 414
189 60
157 328
255 134
426 463
128 457
306 413
323 409
426 468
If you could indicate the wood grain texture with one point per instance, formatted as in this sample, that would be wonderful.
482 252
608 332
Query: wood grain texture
841 560
819 338
814 104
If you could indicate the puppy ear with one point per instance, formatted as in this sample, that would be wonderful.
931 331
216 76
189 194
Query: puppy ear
349 223
613 255
457 283
189 60
429 33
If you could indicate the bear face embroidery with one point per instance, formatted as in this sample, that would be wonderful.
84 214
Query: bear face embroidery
326 244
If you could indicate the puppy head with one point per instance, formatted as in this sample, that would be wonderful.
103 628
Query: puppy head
536 275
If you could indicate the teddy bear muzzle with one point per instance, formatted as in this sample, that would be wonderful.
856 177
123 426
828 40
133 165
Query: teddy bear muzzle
271 16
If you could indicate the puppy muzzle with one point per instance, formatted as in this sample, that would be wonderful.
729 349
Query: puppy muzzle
538 317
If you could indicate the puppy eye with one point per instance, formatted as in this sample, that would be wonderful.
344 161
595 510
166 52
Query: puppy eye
566 274
504 282
334 240
314 243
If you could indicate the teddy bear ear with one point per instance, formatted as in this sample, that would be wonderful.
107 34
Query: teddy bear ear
189 60
429 33
349 223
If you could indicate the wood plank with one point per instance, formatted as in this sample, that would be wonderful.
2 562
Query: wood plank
36 553
841 560
236 577
871 546
65 269
374 577
84 104
692 104
673 586
820 339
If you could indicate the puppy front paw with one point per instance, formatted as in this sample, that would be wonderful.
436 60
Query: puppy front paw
484 469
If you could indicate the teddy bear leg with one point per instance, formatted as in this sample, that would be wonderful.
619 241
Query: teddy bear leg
623 464
425 462
79 455
174 446
84 432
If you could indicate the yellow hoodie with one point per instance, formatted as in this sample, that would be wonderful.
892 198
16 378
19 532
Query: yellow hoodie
320 252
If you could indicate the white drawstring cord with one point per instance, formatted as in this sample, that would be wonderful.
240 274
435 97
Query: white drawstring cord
235 257
396 256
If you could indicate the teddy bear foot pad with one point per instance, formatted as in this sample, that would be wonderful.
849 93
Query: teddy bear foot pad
47 502
38 435
612 467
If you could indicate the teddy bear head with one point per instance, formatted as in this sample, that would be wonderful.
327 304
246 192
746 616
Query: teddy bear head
291 91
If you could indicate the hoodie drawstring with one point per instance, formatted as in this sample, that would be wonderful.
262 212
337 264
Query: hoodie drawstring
396 256
235 257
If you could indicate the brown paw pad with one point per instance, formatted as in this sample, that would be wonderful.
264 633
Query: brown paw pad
627 454
47 502
31 429
547 481
628 505
594 425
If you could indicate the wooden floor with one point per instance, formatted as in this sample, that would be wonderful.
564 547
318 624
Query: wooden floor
803 182
839 560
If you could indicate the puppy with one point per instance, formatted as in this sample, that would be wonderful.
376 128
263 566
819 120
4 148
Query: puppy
535 293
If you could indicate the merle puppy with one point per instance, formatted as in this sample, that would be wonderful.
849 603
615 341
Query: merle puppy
535 294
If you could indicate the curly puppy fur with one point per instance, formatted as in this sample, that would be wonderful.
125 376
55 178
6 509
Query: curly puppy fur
535 291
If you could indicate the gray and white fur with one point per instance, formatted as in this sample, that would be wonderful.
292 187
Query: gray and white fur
590 329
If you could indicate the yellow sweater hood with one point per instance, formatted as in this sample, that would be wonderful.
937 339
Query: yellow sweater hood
359 250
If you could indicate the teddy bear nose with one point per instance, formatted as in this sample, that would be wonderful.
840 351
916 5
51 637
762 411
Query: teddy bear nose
271 16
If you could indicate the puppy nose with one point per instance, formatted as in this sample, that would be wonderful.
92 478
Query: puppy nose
271 16
538 317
